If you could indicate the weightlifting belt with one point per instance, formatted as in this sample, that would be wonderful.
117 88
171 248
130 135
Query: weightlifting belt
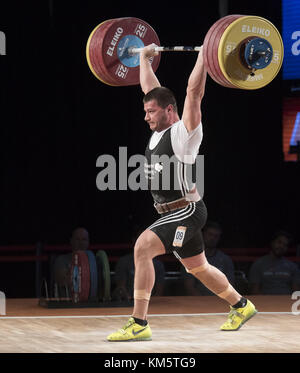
192 196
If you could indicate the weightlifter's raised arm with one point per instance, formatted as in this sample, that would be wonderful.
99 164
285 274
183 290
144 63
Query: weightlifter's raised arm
148 79
195 91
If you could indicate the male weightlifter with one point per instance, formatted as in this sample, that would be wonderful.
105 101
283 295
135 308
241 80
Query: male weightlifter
183 212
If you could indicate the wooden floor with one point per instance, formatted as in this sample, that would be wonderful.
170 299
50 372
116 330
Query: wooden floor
179 325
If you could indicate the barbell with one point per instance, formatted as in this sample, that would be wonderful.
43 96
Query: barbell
239 51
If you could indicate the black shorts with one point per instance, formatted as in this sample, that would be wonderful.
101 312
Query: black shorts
180 230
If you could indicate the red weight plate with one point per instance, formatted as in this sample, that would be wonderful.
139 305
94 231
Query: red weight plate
111 79
213 45
92 51
219 32
208 48
80 277
95 52
133 29
106 72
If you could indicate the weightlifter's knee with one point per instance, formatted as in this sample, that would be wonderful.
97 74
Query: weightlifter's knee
203 268
213 279
140 249
148 246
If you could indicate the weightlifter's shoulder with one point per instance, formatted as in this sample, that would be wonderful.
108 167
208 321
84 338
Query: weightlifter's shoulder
179 129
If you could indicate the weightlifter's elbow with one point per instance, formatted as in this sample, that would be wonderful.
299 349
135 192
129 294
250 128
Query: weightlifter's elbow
194 97
148 87
194 93
148 82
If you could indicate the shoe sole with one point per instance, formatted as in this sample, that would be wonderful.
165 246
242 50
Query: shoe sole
242 323
130 340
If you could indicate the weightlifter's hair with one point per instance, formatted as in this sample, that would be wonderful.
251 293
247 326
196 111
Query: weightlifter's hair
164 97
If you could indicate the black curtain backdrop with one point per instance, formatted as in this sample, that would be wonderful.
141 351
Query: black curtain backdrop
57 118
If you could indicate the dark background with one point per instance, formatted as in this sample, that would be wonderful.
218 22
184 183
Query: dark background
57 118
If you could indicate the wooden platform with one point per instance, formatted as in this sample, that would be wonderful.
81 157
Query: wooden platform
179 325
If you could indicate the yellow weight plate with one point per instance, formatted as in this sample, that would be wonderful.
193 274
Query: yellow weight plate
229 52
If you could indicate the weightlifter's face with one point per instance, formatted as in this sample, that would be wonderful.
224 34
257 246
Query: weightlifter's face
157 117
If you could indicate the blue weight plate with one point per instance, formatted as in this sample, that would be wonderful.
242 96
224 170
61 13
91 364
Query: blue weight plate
75 279
129 41
93 274
258 53
80 277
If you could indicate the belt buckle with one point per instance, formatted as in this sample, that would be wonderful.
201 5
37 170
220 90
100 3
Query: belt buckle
159 207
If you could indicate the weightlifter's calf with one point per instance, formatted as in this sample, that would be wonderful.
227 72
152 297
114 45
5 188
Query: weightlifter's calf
211 277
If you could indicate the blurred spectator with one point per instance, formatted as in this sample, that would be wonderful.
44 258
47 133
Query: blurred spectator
211 235
298 249
124 278
298 253
62 265
273 273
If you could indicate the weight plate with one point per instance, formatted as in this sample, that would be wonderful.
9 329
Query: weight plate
91 52
94 55
215 47
80 277
230 62
93 275
111 57
96 50
109 77
258 53
104 283
129 41
208 51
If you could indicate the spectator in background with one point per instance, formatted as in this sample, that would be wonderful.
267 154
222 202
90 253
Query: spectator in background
273 273
62 265
298 253
298 249
211 236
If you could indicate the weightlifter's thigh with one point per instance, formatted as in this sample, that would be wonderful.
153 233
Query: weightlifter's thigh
148 245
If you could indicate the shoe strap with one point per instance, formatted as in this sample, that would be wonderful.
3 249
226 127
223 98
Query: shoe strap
129 323
234 312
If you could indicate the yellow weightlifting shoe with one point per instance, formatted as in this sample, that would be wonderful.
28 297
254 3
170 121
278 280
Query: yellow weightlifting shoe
131 332
238 316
